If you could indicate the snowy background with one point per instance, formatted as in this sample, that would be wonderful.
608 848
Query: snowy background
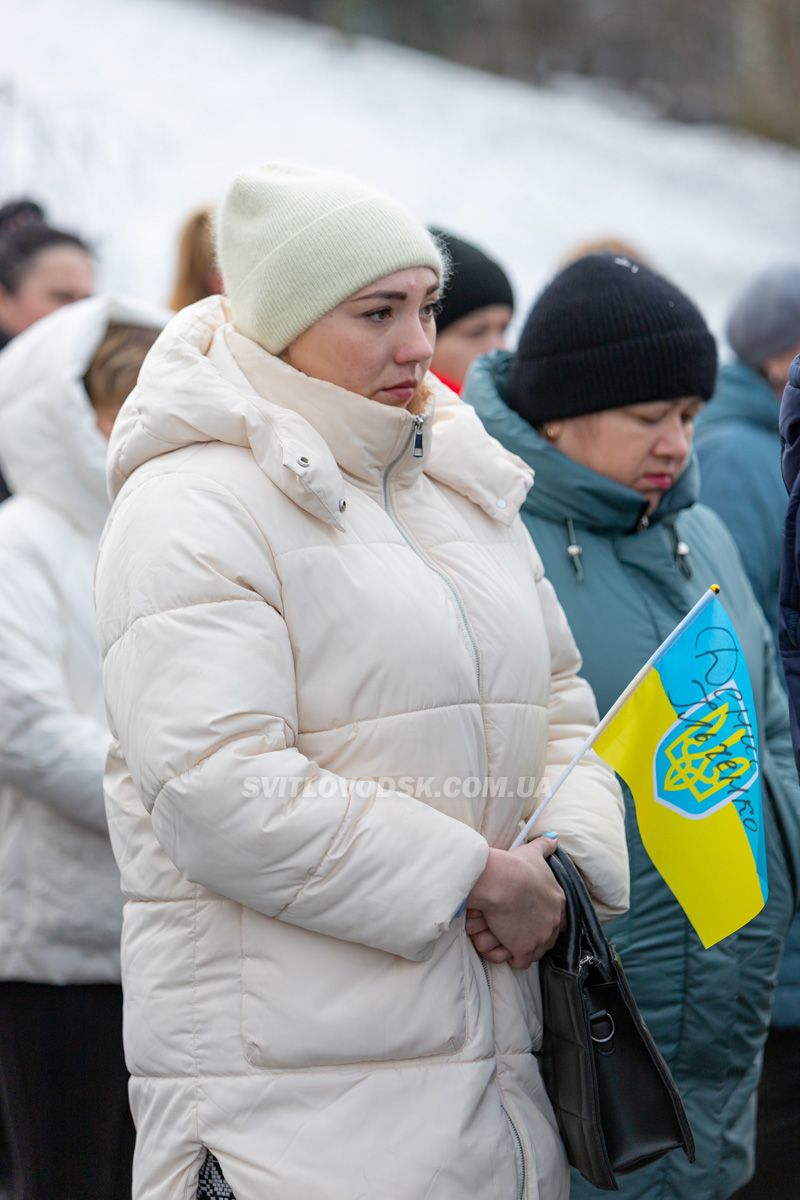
122 115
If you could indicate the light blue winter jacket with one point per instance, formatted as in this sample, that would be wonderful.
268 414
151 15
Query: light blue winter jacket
738 446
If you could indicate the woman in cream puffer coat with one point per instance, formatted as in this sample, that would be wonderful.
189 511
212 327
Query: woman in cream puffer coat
335 675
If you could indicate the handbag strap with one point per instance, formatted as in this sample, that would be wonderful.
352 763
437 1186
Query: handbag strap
583 935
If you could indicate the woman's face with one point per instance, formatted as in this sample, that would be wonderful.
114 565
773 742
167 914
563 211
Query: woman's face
643 446
55 276
378 343
465 339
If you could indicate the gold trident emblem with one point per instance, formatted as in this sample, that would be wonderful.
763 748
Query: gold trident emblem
697 764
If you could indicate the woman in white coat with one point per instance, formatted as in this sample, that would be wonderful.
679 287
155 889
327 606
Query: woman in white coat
336 677
63 1082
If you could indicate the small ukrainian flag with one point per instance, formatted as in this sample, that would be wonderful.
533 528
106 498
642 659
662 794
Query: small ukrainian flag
685 740
684 737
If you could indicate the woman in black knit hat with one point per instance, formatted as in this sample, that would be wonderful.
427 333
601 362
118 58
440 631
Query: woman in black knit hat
614 363
474 312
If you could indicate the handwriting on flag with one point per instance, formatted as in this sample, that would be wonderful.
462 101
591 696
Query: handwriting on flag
710 755
685 740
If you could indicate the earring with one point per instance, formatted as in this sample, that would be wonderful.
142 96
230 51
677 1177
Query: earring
550 432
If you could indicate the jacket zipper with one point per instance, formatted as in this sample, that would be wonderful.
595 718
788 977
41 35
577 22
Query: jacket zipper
519 1153
418 423
417 452
415 436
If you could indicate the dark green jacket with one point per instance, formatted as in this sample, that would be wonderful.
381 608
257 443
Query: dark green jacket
625 590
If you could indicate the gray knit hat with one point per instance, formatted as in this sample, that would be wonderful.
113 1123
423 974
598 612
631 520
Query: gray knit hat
765 320
293 242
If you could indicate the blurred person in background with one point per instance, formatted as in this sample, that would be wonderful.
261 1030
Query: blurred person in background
197 275
789 598
474 311
737 437
63 1082
41 269
13 215
16 213
739 449
320 598
614 364
778 1168
614 246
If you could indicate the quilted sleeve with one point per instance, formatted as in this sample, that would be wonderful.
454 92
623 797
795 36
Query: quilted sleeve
47 749
200 686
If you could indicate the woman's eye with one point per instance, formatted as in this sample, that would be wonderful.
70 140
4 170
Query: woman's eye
431 311
378 315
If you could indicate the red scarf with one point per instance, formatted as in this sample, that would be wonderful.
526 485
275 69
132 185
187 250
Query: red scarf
454 387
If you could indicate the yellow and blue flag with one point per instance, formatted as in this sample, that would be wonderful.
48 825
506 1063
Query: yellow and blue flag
684 737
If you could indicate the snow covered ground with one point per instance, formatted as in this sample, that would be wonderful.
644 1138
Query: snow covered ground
124 114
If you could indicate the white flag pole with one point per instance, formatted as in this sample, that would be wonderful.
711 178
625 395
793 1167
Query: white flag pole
705 599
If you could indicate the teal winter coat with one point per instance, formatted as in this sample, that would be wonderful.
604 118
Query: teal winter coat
625 579
738 446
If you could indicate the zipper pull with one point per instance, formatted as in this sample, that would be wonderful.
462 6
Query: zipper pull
418 423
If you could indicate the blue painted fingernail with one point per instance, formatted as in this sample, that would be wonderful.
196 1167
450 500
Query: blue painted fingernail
550 833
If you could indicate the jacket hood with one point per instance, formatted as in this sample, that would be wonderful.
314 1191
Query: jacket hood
790 427
50 446
565 490
205 382
741 394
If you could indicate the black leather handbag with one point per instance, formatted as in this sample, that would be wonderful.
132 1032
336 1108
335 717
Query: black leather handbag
616 1103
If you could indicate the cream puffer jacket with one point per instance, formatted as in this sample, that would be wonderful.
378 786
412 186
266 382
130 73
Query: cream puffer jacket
60 898
335 674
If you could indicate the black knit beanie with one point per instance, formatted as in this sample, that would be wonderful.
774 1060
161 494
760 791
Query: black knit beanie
17 213
474 281
605 333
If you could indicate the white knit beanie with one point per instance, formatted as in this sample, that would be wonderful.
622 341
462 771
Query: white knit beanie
294 242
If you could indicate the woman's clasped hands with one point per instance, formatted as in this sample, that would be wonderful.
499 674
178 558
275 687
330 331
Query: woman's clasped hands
516 909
